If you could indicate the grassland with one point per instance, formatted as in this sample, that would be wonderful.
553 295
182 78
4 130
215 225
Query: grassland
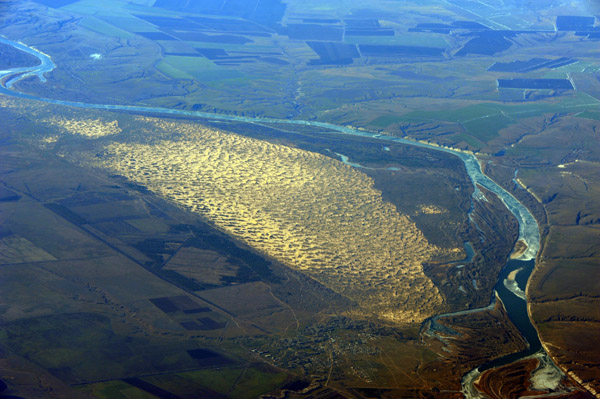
16 249
99 26
114 389
491 127
564 298
201 69
557 170
236 383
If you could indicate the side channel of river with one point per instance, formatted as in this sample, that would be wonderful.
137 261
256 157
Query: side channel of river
516 306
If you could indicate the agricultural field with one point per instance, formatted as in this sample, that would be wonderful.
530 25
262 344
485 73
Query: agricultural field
189 57
234 258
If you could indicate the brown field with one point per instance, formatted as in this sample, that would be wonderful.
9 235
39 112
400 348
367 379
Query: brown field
16 249
265 309
208 267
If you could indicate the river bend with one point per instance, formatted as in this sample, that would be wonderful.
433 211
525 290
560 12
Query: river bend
528 226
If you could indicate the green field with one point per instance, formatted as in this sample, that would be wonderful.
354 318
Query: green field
386 120
90 7
590 115
486 128
405 39
128 23
104 28
115 390
199 68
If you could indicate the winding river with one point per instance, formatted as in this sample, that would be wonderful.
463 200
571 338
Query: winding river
510 292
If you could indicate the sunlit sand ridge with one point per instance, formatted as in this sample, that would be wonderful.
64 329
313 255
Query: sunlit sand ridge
91 128
309 211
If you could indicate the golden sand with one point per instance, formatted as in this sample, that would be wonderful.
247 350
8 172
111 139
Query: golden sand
311 212
91 128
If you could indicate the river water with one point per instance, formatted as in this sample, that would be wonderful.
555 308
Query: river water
528 227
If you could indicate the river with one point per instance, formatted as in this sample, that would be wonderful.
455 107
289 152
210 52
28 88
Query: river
509 293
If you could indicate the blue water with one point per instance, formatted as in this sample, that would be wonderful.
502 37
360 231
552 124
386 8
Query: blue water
517 312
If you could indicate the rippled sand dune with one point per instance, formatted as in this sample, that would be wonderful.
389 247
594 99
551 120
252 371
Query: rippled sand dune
309 211
91 128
